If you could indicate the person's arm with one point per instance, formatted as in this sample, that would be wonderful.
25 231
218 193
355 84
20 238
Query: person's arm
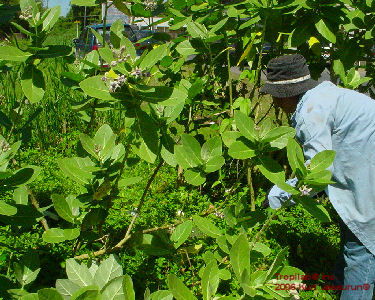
314 132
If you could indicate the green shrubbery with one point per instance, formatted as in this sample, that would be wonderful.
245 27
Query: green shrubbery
156 167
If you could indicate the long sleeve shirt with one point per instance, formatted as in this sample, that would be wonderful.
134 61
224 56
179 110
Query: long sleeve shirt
331 118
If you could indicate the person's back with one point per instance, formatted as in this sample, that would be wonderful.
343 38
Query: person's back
333 118
327 117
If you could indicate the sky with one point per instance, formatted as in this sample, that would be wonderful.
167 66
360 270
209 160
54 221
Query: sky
65 5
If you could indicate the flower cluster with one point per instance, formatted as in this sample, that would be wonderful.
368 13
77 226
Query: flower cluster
219 215
27 13
116 83
150 4
4 146
305 191
180 213
119 56
137 73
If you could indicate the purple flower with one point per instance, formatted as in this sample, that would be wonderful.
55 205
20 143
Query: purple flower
305 191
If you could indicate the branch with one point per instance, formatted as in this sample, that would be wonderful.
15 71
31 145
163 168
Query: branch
121 244
127 236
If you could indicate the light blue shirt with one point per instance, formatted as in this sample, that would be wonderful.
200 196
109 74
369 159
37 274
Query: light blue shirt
332 118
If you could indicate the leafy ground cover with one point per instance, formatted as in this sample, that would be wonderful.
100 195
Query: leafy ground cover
146 179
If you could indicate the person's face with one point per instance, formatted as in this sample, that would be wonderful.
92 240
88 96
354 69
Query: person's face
288 104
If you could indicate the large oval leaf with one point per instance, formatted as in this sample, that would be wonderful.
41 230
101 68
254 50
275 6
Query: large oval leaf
207 227
33 84
13 54
181 233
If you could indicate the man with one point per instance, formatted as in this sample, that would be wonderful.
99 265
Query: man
327 117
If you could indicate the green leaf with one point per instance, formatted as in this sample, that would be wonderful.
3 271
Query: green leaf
185 48
32 296
49 294
172 112
6 209
229 137
58 235
316 210
210 280
161 295
148 131
26 216
296 158
66 288
154 56
77 168
106 140
322 160
246 125
125 182
181 233
78 273
211 148
116 33
88 144
121 6
114 289
28 269
240 256
138 10
178 289
239 150
214 164
128 288
180 24
262 248
163 95
271 169
13 54
20 195
197 30
325 31
52 17
21 176
218 25
33 85
300 35
128 44
108 270
277 133
146 154
87 293
292 273
188 155
339 69
95 87
276 263
320 178
207 227
67 208
154 245
194 177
